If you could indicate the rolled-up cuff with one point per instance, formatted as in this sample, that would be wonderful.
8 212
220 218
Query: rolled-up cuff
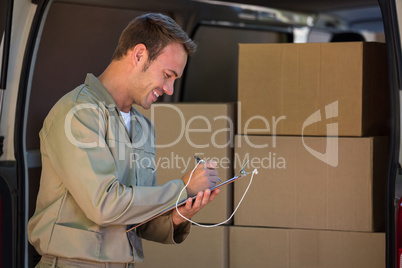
181 232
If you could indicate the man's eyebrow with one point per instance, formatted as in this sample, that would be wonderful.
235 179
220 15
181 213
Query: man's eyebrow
174 72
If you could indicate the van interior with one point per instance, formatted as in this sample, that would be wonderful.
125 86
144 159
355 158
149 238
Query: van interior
79 37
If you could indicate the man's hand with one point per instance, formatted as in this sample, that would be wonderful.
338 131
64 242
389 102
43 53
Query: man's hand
204 177
189 209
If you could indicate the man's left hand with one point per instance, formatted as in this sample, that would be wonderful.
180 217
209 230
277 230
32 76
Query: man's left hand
191 208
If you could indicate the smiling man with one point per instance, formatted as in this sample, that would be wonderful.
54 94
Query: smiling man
90 194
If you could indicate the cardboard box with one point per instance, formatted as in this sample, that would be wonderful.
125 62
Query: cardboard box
185 130
298 89
326 183
293 248
204 247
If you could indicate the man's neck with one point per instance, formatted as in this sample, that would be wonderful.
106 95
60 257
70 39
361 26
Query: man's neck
113 79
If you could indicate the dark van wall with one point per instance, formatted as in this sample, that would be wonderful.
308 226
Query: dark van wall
212 71
76 40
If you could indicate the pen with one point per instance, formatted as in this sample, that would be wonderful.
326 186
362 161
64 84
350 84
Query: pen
199 160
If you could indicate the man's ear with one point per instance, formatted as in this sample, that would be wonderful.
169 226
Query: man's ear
139 55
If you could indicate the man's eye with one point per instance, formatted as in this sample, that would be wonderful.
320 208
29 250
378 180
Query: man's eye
168 76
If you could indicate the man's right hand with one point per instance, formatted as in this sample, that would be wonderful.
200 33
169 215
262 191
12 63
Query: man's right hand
204 177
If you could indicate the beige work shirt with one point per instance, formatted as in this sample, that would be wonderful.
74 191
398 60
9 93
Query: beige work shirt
98 178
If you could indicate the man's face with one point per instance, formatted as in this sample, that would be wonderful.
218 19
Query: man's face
156 78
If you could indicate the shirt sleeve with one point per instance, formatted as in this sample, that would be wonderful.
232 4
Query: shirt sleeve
75 144
161 230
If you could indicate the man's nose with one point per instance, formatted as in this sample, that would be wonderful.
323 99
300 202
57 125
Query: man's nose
168 88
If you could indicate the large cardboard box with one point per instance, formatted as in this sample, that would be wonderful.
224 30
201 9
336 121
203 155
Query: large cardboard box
293 248
205 130
298 89
204 247
326 183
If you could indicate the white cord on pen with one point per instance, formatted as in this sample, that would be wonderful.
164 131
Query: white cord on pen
231 216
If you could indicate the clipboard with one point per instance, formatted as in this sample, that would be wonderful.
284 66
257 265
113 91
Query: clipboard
240 174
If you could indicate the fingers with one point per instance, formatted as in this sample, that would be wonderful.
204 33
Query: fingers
205 198
209 167
214 193
198 199
210 172
211 164
205 176
191 208
202 199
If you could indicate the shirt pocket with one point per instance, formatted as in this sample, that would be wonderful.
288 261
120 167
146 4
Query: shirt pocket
145 167
74 243
119 145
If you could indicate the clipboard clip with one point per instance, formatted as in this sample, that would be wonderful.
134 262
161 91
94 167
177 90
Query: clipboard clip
242 172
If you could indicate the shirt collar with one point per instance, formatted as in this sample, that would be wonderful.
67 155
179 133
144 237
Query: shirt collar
95 85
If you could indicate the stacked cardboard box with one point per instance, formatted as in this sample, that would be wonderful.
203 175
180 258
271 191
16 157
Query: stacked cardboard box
297 248
298 89
321 111
204 247
294 189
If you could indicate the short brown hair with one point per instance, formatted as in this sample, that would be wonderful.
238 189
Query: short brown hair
155 31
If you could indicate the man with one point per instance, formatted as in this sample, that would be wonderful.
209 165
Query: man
98 173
